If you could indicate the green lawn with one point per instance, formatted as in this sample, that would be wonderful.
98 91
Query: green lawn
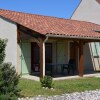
33 88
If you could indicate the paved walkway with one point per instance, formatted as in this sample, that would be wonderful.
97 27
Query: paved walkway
61 78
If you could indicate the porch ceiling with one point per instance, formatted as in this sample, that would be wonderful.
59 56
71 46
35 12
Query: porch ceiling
52 26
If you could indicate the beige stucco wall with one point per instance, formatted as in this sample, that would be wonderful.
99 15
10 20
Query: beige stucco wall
8 30
18 68
88 10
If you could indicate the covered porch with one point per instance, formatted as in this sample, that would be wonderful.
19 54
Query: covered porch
48 45
51 55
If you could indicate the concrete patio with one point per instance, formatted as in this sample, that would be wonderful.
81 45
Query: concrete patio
35 78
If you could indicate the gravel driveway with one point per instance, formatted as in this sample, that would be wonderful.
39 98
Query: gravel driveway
87 95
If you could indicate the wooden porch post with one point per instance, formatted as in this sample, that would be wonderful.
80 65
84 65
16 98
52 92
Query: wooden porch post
81 68
42 58
18 36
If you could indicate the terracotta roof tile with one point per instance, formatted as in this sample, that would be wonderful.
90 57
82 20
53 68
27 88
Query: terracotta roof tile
52 25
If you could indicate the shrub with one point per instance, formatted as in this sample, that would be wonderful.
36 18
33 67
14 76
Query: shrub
4 97
8 77
7 97
8 80
47 81
2 49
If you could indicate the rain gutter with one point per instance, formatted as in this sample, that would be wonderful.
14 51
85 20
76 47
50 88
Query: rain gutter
72 37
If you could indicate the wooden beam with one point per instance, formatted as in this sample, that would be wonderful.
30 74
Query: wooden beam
33 39
42 58
81 67
18 36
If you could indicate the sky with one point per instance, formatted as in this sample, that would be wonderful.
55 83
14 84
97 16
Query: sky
56 8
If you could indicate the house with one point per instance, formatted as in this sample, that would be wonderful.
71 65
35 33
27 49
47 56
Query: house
37 42
89 10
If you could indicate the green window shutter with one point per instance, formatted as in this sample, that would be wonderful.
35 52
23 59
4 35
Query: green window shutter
95 48
98 48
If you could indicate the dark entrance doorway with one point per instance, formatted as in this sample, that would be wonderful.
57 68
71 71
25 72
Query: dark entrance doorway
35 57
48 58
48 53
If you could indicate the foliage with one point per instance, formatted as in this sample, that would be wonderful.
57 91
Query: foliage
8 77
2 49
46 81
7 97
8 80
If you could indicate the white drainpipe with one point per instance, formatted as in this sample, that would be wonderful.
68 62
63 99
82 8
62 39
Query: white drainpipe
44 55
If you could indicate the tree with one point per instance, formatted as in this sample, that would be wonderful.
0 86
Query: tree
8 77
